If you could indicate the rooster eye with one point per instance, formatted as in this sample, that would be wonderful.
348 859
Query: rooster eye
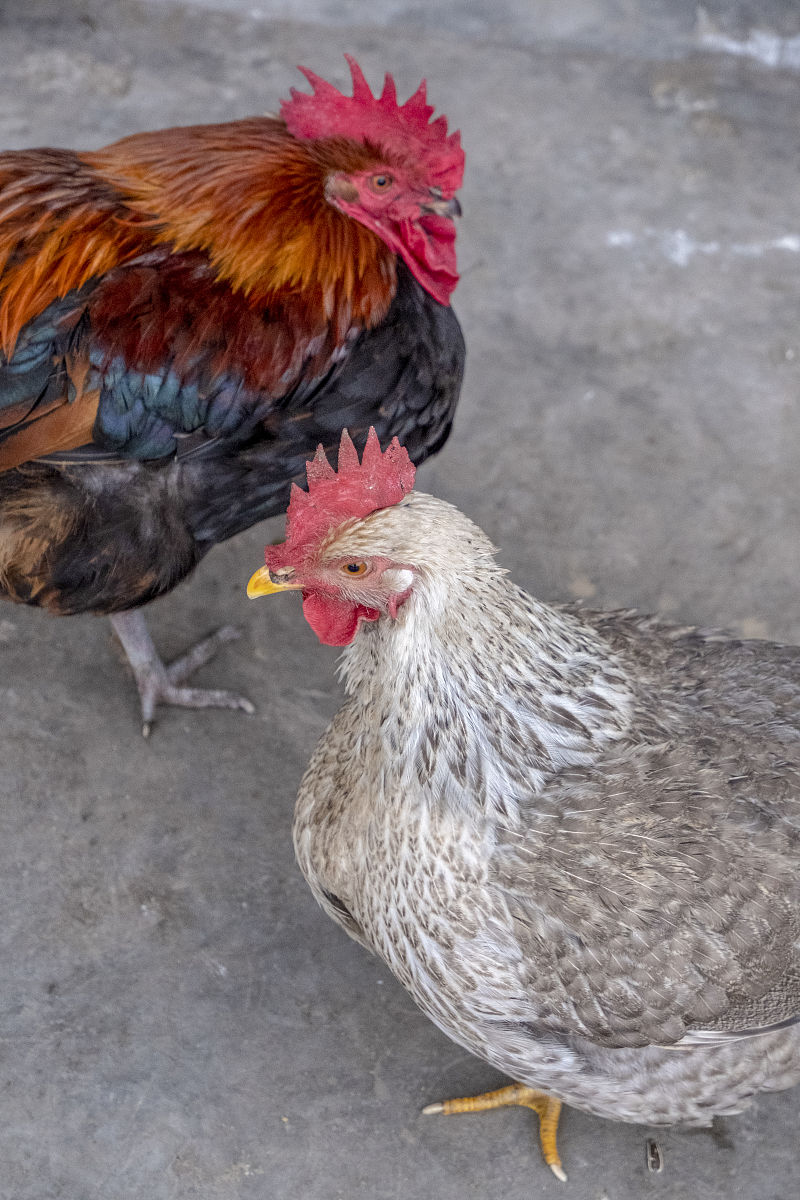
355 568
381 183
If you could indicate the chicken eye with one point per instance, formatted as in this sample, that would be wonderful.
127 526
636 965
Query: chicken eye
355 568
381 183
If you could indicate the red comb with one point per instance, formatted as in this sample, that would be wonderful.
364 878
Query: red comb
381 479
380 120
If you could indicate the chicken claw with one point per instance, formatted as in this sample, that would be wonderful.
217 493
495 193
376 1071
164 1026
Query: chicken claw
547 1108
159 683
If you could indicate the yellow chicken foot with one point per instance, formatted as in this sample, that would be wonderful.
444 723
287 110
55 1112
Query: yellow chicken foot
547 1108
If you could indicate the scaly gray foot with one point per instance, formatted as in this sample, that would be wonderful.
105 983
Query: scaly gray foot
159 683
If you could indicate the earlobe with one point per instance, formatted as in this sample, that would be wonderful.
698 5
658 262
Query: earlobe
399 579
339 187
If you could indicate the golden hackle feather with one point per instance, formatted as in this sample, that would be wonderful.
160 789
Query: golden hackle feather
246 194
60 225
251 197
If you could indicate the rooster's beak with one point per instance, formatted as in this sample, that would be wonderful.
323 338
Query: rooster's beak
442 208
263 583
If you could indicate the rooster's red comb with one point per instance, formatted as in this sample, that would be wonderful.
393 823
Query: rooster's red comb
379 480
380 120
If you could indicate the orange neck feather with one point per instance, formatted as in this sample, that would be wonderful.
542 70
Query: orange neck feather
60 225
251 197
246 194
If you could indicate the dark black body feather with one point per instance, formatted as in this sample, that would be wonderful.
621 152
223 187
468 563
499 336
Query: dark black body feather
112 525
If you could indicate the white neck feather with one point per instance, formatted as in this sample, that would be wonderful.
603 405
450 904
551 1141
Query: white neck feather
475 685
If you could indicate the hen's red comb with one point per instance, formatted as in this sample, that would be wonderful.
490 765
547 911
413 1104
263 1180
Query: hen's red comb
357 489
380 120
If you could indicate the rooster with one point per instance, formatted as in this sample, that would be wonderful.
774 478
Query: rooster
572 836
185 314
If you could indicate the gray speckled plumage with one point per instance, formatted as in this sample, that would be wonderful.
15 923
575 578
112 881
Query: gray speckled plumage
572 836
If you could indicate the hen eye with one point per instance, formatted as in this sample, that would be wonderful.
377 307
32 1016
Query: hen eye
355 568
381 183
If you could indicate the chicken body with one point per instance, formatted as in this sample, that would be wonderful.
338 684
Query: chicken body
103 531
573 837
185 314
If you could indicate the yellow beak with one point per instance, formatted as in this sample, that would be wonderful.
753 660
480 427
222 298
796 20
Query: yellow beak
260 584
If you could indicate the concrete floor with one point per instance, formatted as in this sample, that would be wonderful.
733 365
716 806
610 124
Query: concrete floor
177 1018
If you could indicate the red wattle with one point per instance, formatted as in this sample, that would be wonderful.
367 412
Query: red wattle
425 242
335 621
428 247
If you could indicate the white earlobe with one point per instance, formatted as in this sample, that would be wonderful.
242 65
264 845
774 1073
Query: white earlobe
398 580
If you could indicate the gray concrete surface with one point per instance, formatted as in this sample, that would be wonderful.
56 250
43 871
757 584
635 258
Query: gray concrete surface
177 1019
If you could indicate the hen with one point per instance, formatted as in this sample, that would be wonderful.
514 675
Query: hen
572 836
185 314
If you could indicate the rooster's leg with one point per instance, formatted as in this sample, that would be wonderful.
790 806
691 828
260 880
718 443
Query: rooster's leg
547 1108
158 683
